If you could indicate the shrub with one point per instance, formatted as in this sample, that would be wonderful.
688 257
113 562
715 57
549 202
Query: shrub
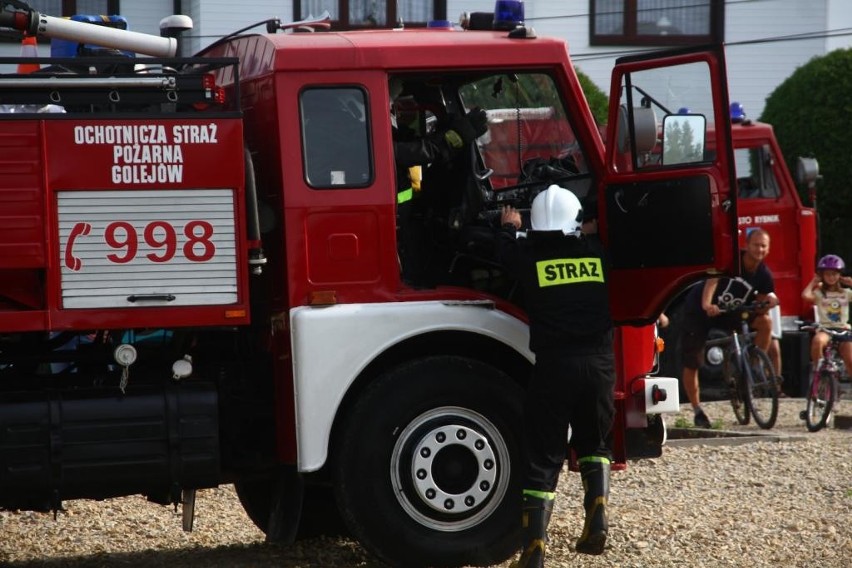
598 101
810 113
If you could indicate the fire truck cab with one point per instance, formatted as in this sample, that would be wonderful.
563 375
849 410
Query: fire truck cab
210 276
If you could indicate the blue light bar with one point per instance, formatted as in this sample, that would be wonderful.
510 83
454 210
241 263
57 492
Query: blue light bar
737 112
439 24
508 14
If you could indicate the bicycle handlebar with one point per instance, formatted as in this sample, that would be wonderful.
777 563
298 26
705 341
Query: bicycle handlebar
746 308
833 332
741 309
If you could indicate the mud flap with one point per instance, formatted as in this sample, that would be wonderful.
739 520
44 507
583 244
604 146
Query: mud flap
286 511
643 443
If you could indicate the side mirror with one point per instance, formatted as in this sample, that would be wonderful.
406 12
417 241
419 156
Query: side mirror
644 130
807 171
684 136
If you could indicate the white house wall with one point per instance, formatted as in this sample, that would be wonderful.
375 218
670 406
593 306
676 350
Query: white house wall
144 17
754 69
216 18
838 16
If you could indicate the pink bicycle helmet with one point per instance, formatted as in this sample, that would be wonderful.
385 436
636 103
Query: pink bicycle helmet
831 262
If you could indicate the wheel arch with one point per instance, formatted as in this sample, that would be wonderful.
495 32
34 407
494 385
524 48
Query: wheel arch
330 369
439 343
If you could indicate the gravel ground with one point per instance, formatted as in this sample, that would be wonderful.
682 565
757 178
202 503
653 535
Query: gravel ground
786 501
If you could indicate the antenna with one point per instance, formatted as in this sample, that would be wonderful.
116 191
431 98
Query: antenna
399 23
323 21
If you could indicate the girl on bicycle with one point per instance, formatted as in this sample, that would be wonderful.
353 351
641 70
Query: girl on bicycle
826 291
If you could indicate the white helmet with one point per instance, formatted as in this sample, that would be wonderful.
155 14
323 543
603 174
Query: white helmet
557 209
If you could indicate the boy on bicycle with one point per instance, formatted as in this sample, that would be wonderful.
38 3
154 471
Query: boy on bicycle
826 292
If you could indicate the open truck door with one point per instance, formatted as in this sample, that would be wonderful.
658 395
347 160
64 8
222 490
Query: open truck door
667 212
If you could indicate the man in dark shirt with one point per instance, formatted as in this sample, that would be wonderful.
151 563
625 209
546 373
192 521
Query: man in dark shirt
704 307
564 281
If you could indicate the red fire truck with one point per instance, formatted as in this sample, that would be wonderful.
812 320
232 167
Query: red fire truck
201 282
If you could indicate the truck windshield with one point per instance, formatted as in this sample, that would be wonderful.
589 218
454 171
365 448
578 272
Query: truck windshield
527 126
755 179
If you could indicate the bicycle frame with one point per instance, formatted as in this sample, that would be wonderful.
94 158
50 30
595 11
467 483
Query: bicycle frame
823 389
831 357
831 360
737 349
826 373
754 376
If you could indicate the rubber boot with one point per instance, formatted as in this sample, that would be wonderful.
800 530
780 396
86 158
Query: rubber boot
594 472
535 516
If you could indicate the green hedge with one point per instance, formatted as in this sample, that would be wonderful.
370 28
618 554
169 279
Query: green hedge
598 101
811 113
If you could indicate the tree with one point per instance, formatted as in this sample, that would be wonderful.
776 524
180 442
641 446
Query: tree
680 144
598 101
809 112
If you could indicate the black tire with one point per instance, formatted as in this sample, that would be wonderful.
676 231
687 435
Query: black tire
820 399
256 498
762 390
319 514
732 377
427 469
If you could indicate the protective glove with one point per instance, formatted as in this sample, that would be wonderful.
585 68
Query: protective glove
478 119
465 130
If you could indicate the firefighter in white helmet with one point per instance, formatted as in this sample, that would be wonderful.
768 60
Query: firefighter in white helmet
563 277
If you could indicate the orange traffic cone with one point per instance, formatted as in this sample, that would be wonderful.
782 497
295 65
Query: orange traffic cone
29 48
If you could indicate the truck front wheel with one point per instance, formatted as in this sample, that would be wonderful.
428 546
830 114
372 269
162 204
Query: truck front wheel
427 471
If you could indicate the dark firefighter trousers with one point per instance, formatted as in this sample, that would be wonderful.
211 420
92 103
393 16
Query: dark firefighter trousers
573 389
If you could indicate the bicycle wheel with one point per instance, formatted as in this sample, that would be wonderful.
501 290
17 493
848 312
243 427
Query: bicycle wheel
733 378
761 388
822 392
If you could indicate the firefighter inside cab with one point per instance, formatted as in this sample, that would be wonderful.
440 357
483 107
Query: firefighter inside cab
423 134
